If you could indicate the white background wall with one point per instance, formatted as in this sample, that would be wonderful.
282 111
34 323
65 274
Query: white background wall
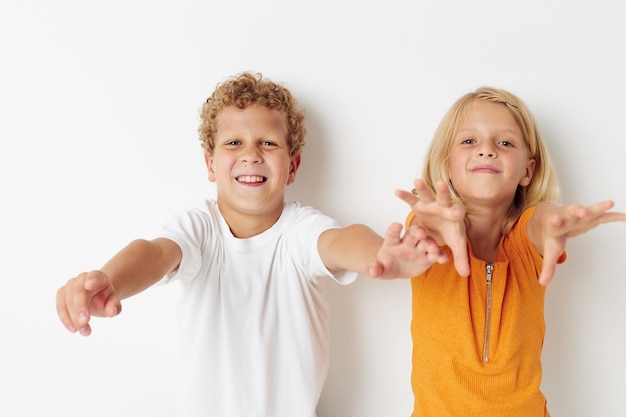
98 117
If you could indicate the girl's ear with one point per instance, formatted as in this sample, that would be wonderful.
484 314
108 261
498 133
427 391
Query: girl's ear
528 173
210 164
293 168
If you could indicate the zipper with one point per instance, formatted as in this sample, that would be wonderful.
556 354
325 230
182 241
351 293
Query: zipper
488 314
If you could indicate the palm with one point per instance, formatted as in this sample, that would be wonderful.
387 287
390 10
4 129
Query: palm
405 256
442 219
570 221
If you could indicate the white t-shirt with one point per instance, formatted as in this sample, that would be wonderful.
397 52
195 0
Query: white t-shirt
253 314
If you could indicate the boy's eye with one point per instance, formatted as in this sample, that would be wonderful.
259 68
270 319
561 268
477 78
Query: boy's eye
267 143
233 142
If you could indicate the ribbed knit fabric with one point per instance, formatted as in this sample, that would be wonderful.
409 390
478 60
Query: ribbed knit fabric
450 375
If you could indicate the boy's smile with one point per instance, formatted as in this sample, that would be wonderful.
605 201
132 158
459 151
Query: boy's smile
251 166
251 179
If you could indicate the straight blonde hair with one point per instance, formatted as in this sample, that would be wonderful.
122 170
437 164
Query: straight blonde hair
543 185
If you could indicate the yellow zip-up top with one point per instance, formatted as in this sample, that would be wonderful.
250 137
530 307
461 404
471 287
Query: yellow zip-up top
477 340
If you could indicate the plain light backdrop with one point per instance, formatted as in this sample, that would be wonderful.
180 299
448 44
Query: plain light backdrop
98 145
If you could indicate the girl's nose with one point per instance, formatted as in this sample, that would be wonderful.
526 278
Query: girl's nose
487 151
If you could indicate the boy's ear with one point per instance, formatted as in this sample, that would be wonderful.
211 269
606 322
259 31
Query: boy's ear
528 174
210 164
293 168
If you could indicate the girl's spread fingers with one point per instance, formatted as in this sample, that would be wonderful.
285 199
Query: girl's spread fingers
406 196
601 207
600 211
612 217
393 232
417 233
424 193
443 194
547 272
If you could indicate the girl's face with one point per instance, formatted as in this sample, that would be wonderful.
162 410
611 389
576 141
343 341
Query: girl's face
489 159
251 163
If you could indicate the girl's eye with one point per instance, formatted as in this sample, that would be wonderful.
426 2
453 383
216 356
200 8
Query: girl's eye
506 143
468 141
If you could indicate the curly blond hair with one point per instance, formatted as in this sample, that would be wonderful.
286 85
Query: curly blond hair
543 186
243 90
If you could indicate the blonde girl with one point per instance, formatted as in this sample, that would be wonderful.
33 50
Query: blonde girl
488 196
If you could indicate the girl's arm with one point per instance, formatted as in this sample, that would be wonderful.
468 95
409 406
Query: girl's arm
551 225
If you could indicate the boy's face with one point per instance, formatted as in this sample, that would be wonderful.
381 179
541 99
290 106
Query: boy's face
250 163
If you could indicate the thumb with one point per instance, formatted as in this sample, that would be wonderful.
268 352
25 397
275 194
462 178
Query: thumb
375 270
548 268
113 306
102 293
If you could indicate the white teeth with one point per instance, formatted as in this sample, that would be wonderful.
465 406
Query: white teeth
250 178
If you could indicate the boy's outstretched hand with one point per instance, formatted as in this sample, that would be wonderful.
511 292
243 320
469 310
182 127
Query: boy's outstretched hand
558 223
88 294
441 218
406 256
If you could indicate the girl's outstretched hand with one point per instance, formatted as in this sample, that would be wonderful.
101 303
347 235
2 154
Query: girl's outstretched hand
563 222
406 256
441 218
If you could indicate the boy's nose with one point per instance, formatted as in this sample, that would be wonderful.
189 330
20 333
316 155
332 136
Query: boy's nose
250 156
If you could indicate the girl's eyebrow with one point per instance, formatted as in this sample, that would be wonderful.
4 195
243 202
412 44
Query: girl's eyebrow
464 130
468 130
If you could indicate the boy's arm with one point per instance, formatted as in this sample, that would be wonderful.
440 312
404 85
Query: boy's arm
99 293
551 225
358 248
